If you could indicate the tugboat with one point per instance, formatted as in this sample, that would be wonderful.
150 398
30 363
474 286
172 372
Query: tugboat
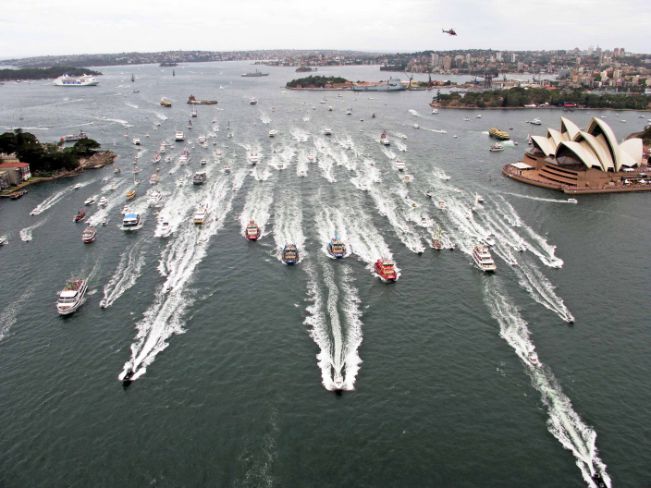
252 231
385 270
336 248
72 296
483 259
384 139
290 254
81 215
88 235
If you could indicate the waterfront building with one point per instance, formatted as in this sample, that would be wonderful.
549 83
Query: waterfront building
14 173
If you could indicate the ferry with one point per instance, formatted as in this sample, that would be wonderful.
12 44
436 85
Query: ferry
131 194
179 136
81 215
385 269
199 178
252 231
72 296
83 80
384 139
88 235
74 137
400 165
336 248
483 259
166 102
130 221
290 254
496 133
200 216
255 74
273 133
497 147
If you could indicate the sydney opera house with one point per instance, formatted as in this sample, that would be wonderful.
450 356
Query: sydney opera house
582 161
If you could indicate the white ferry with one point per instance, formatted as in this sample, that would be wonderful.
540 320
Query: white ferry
179 136
483 259
72 296
83 80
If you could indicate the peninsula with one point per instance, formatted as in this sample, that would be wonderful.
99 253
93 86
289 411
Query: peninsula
44 73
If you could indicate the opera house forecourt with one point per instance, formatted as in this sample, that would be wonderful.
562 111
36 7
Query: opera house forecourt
583 161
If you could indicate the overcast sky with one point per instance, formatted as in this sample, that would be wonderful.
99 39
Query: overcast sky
40 27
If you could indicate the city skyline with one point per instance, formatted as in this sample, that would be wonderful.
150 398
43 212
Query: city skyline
33 28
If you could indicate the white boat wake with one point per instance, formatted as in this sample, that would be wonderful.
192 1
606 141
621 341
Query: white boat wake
540 199
26 233
164 317
9 315
564 423
52 200
288 225
126 274
257 207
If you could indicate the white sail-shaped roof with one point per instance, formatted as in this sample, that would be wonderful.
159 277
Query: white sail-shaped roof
598 147
582 152
568 127
633 148
546 145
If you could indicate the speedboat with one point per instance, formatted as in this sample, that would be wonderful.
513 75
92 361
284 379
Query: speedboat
77 186
81 215
338 381
88 235
572 200
136 141
327 131
89 201
179 136
483 259
384 139
199 178
435 111
497 147
254 158
252 231
72 296
253 101
273 133
290 254
3 240
385 269
535 122
400 165
336 248
416 126
200 216
127 377
131 221
533 359
164 229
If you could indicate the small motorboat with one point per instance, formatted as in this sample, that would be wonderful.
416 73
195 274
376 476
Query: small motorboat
497 147
442 205
156 159
572 200
254 158
400 165
290 254
338 381
102 203
273 133
77 186
89 201
179 136
385 269
117 170
3 240
81 215
136 141
154 179
200 216
203 162
327 131
336 248
130 221
227 169
127 379
384 139
165 229
72 296
88 235
252 231
533 359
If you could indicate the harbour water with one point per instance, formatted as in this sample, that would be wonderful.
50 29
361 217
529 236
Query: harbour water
235 353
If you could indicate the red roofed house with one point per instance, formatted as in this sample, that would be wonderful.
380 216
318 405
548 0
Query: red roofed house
14 173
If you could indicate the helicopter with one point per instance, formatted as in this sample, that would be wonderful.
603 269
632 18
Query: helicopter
449 31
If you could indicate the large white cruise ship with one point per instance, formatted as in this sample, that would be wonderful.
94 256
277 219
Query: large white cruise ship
83 80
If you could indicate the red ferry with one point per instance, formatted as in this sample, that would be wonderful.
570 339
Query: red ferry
385 269
252 232
81 215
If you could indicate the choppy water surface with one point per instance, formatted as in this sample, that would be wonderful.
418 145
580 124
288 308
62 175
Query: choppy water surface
236 355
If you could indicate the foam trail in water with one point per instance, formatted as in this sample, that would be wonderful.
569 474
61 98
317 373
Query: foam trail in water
564 422
9 315
288 224
302 164
257 207
541 289
353 318
52 200
539 199
126 274
164 317
26 233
